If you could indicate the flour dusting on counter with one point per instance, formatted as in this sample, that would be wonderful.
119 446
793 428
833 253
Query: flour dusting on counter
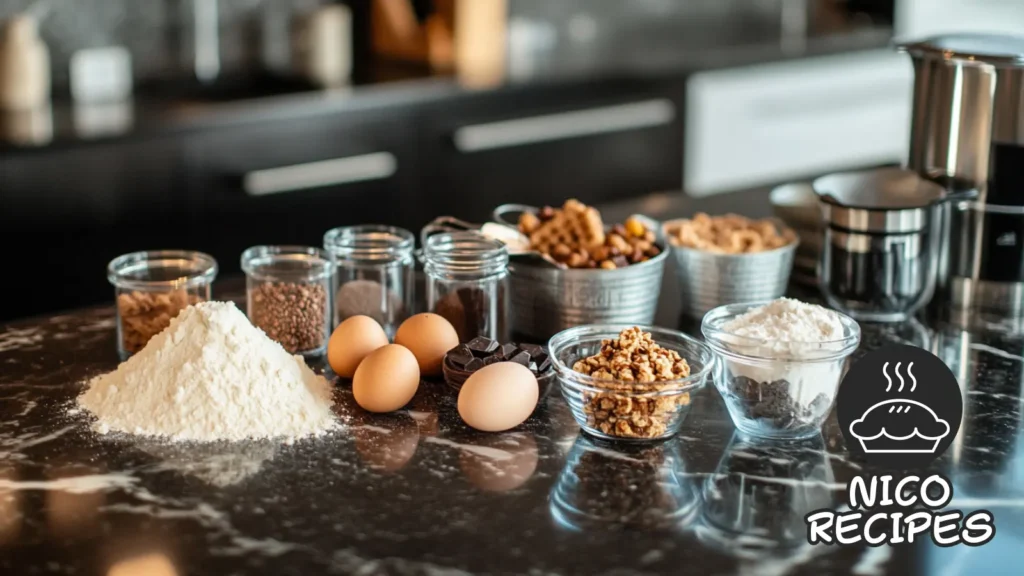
209 376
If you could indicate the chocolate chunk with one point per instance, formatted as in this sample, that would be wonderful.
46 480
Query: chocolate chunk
493 360
533 367
541 358
534 350
620 261
522 358
459 356
508 350
474 365
544 366
482 346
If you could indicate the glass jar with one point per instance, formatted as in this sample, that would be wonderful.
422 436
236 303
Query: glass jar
152 287
375 268
288 295
467 283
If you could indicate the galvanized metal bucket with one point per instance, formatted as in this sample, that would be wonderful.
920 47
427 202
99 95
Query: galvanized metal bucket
547 300
708 280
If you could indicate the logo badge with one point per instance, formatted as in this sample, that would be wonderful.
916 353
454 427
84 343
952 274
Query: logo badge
900 407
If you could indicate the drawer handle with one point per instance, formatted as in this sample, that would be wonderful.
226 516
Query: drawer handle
376 166
589 122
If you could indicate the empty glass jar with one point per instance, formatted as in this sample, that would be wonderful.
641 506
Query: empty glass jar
375 267
288 295
152 287
467 283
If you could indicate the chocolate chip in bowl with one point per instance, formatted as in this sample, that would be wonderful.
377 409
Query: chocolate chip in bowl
465 359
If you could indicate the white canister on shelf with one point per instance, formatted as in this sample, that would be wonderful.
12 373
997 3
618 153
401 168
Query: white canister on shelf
24 65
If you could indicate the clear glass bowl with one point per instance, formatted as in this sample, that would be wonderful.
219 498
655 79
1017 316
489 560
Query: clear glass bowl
289 290
152 287
776 389
619 409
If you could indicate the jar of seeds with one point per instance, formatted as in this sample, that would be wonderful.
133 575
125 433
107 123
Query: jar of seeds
375 273
152 287
289 295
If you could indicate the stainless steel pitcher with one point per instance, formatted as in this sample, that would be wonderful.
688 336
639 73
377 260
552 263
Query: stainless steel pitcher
967 133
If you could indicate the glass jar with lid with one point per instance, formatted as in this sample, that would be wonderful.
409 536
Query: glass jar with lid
467 283
288 295
152 287
375 267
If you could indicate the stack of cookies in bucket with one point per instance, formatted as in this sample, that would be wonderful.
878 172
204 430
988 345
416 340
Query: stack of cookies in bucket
574 236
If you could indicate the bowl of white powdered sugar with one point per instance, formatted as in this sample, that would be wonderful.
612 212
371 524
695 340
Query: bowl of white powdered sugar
779 363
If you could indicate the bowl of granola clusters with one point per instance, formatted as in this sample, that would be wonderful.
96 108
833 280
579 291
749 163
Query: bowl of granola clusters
629 382
725 259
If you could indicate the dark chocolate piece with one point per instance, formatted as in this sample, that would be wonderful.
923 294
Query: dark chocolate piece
493 360
460 356
482 346
508 350
544 366
534 350
533 367
522 358
474 364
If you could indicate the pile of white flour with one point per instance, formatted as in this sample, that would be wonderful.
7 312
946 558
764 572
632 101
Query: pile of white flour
211 375
786 321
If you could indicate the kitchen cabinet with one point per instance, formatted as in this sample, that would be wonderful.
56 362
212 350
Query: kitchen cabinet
65 214
288 175
541 146
289 181
752 125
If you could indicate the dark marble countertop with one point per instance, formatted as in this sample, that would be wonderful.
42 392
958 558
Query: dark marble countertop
417 492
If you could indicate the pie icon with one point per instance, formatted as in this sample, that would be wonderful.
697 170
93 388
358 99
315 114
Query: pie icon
899 426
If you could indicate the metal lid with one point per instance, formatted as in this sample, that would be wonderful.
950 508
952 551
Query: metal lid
997 49
881 200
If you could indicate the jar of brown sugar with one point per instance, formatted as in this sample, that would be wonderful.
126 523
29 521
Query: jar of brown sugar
289 295
152 287
467 283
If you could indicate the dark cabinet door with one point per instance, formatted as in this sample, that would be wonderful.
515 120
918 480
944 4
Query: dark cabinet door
540 146
289 181
65 213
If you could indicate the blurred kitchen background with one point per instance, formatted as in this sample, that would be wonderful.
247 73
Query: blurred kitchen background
220 124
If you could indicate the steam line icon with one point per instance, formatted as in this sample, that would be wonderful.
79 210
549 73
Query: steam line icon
899 425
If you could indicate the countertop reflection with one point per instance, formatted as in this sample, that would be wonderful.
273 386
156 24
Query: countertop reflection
417 492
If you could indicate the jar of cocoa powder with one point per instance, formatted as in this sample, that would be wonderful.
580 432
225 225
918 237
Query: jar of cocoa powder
289 290
467 283
152 287
375 273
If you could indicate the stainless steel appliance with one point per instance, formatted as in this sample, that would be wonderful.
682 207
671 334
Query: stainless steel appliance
878 261
967 133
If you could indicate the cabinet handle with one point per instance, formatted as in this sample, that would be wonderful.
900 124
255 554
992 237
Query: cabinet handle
376 166
589 122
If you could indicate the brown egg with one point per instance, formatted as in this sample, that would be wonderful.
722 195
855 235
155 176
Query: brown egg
429 337
498 397
351 342
386 380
